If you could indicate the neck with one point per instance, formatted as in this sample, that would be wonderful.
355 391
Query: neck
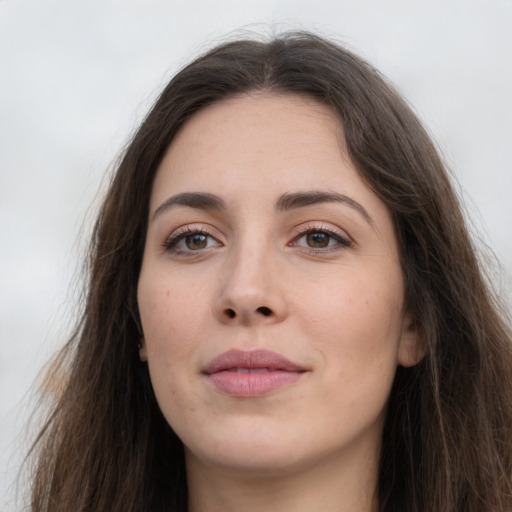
329 485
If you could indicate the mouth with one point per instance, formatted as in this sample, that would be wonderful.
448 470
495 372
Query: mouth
251 373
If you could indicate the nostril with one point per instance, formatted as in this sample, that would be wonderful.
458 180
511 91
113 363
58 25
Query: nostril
264 311
230 313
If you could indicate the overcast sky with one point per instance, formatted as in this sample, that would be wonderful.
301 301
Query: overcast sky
76 77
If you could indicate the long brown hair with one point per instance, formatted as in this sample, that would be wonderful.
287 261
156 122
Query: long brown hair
447 444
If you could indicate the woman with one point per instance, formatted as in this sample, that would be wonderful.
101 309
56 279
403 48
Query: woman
285 311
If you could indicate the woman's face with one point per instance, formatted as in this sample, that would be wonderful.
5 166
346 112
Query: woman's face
271 293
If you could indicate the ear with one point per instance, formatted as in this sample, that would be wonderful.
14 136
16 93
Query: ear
143 353
411 350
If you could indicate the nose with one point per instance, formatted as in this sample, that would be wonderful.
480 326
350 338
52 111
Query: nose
251 290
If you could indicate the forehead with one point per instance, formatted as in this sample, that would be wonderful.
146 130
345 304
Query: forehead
257 147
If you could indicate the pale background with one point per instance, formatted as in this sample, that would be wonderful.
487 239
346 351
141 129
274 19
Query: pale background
76 77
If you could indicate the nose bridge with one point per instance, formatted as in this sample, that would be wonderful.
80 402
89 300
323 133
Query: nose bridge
250 289
250 271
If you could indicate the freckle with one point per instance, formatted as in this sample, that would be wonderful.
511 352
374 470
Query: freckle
167 293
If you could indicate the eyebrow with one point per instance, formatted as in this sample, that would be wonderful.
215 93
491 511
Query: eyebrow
294 200
200 200
286 202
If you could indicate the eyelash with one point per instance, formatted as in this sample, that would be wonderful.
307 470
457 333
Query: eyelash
171 243
342 242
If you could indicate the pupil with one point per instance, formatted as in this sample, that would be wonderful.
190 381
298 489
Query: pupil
318 239
196 241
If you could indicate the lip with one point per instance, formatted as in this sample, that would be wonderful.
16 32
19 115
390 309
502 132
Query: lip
244 373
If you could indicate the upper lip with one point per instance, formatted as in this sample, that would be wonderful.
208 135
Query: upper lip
233 359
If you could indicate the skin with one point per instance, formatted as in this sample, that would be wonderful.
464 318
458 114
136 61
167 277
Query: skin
336 308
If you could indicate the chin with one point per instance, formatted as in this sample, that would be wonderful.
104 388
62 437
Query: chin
259 449
256 462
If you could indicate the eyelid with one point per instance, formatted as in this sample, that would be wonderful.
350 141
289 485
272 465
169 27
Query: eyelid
182 232
310 226
344 240
177 235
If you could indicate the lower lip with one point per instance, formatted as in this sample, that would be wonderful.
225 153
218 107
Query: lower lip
252 384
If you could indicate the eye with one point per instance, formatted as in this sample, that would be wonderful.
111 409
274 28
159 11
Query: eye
317 239
190 241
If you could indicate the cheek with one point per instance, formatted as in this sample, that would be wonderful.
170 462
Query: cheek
170 315
354 299
170 309
356 324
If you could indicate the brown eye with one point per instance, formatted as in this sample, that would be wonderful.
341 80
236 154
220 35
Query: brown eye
197 241
321 239
190 241
318 240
